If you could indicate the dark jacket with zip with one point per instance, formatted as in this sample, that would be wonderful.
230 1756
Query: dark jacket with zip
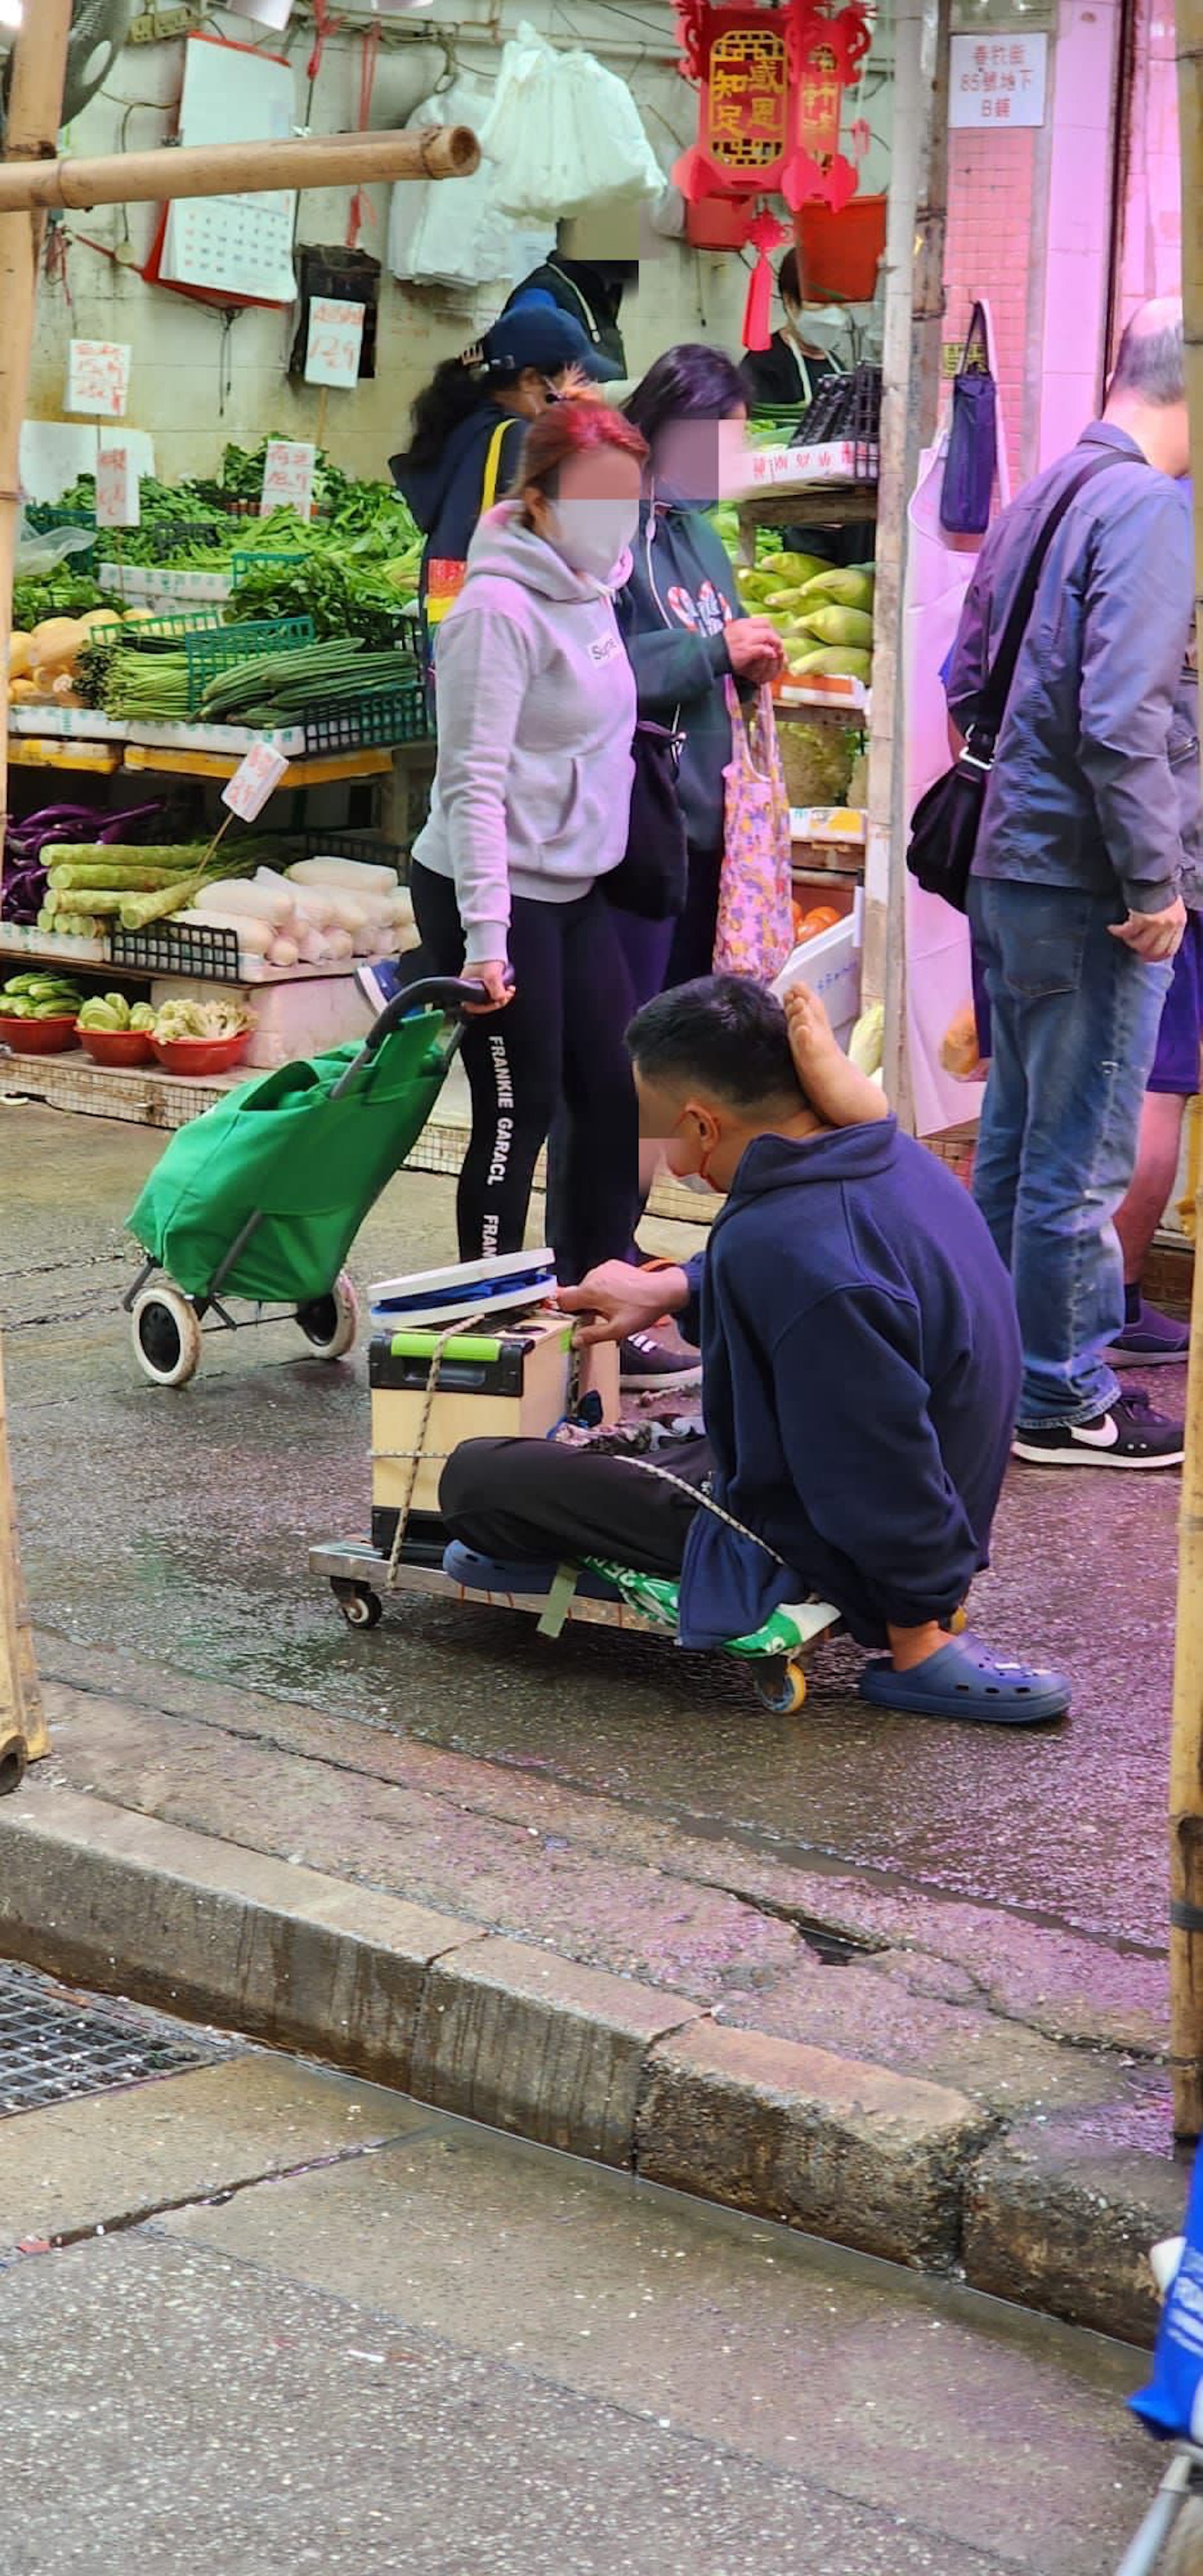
861 1369
576 288
447 497
671 614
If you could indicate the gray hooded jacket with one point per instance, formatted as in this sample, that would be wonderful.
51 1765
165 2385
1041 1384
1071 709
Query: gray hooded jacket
535 701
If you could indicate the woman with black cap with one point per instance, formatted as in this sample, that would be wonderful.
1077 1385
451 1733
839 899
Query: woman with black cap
468 425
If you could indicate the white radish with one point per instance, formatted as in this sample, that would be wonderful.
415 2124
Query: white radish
312 907
254 936
240 894
347 873
312 948
283 951
340 943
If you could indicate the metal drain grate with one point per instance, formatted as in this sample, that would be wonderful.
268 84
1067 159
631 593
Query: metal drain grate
55 2045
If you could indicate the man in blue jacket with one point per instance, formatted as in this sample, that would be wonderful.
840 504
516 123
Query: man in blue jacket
1087 856
860 1374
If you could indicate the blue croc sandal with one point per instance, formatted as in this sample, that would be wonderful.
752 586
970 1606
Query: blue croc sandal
965 1680
521 1582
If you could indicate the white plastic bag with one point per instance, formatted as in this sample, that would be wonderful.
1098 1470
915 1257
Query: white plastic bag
453 232
564 135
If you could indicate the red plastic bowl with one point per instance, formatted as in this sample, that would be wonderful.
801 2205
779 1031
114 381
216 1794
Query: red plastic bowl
38 1037
118 1046
201 1055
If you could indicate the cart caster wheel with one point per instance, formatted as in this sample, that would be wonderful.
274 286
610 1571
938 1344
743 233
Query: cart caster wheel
360 1606
167 1336
783 1691
331 1324
13 1758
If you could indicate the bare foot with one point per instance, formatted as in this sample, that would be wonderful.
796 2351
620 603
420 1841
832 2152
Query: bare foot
839 1094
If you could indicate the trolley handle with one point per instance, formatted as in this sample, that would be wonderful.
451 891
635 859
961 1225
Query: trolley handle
448 993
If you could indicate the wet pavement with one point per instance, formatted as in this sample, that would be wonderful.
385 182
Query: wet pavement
175 1526
270 2319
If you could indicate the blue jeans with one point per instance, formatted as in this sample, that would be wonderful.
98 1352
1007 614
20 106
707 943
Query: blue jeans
1074 1018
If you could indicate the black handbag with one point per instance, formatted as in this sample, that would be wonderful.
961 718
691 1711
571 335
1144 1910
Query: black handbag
652 877
947 820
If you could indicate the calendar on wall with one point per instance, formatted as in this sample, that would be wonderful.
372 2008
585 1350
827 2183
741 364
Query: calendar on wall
235 249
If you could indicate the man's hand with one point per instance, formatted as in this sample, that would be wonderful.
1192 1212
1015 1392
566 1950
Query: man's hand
498 982
623 1300
1153 934
754 649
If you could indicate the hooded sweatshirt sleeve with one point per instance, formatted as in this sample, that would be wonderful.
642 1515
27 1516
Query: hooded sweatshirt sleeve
484 669
852 1404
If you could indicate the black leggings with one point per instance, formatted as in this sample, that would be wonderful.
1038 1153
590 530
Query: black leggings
560 1041
533 1502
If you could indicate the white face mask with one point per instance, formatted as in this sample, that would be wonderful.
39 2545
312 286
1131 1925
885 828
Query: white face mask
593 536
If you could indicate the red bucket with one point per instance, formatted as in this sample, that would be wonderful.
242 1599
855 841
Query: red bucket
839 254
717 223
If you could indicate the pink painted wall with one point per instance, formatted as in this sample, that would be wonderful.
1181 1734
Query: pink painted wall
1151 247
991 228
1029 229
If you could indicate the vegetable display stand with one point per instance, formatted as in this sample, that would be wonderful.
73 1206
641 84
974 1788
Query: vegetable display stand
261 1199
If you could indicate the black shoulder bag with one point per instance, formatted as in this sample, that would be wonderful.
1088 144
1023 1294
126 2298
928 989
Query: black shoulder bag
652 877
947 820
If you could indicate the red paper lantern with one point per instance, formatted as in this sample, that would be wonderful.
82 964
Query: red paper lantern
771 84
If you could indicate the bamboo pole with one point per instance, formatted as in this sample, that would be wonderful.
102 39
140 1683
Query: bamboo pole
226 169
1186 1758
914 269
35 107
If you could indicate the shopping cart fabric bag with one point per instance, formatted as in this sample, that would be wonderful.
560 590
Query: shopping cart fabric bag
295 1164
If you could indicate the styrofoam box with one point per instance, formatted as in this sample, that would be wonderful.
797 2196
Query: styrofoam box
830 965
156 584
296 1018
77 724
229 740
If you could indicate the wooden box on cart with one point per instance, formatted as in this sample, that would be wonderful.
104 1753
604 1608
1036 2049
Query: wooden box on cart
513 1384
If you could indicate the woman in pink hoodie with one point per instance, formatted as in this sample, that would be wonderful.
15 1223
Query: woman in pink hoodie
529 815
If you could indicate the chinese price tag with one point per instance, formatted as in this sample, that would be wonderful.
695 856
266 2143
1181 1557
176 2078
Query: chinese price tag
997 80
118 504
288 477
335 341
98 378
256 778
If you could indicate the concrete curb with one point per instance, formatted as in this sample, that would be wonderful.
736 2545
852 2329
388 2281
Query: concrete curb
595 2064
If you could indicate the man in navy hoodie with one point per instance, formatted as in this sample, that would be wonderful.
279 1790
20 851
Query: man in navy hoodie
861 1369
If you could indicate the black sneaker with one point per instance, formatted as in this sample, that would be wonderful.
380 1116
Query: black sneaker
651 1367
1128 1434
1149 1340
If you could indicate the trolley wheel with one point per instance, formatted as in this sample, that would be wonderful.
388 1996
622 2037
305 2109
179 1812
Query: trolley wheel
167 1335
331 1324
13 1758
782 1689
360 1606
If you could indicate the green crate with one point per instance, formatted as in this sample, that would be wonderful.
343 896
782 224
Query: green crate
371 721
170 628
223 647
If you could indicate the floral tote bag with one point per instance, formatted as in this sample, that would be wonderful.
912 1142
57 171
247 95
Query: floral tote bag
755 932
